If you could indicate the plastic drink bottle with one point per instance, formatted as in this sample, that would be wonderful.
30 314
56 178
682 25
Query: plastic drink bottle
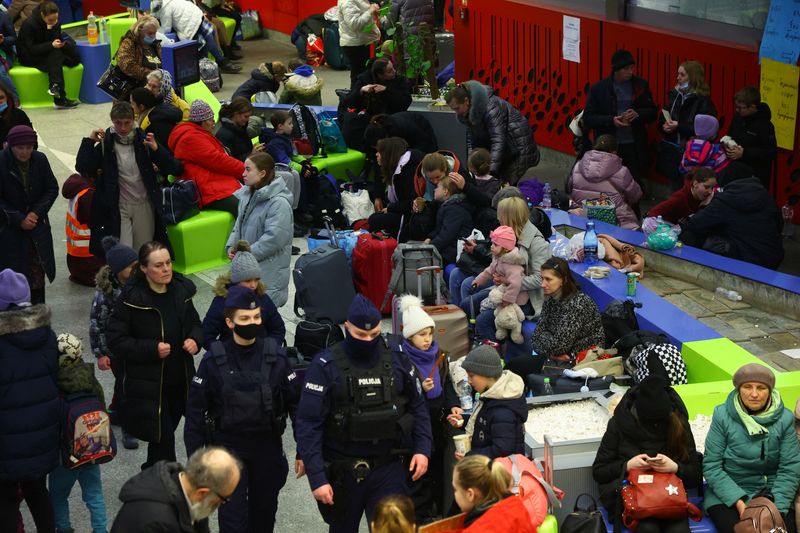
91 29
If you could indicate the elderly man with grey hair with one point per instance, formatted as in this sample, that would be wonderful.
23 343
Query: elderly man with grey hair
169 497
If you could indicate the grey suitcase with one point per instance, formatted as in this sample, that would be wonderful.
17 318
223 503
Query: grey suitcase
323 283
406 260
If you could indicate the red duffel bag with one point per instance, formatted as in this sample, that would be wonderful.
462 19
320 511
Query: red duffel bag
649 494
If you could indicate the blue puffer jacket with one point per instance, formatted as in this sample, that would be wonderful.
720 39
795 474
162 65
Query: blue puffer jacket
499 425
30 410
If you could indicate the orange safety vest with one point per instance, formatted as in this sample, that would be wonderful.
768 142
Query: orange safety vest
78 234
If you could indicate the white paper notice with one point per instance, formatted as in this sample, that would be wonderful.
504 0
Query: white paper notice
571 44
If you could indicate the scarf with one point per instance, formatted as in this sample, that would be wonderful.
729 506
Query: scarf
424 361
751 422
166 86
127 139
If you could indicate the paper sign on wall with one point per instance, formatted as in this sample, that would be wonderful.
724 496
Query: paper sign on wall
571 43
779 90
781 38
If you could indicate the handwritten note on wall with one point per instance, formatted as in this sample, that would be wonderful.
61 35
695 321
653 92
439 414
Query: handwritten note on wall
781 38
779 90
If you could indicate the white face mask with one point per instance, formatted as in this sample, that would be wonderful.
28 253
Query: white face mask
683 86
202 509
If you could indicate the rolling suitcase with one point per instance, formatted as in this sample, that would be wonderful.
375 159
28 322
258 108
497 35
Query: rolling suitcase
372 267
323 284
406 260
451 329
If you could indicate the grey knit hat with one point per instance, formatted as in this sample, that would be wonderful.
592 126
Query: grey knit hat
244 266
484 361
754 372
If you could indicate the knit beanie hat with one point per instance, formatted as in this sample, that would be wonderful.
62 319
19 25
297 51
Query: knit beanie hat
244 266
484 361
71 349
118 256
652 401
415 319
754 372
705 126
21 135
621 59
504 237
363 314
14 289
200 111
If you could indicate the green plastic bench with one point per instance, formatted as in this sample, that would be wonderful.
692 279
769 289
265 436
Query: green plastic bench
337 165
199 241
32 85
117 27
199 91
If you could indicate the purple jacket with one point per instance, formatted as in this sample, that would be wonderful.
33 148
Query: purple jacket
601 172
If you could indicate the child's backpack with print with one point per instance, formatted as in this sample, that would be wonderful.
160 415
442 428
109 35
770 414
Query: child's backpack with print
210 75
306 127
87 435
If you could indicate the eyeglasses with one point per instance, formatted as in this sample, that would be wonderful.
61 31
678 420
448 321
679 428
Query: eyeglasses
222 498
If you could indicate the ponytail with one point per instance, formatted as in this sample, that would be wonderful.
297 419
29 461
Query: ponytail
485 475
394 514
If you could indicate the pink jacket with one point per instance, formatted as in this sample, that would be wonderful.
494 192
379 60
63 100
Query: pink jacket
602 172
510 267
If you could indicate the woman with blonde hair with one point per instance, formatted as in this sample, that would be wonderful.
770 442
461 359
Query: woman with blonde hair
394 514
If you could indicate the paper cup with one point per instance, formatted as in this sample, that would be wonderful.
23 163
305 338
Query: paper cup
463 443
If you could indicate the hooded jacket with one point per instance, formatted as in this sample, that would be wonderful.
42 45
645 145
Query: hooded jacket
17 200
509 515
683 107
626 437
453 222
264 216
679 207
279 145
153 500
603 173
99 159
738 465
756 135
161 120
413 13
304 90
235 139
261 79
568 326
746 216
499 418
79 377
206 162
179 15
356 24
30 410
498 126
215 328
133 334
511 267
131 56
105 298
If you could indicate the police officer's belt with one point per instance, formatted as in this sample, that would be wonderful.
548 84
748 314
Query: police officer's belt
360 467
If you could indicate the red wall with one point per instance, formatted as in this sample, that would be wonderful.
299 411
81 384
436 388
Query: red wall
517 49
283 15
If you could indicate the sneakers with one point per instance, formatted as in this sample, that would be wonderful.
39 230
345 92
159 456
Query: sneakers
129 442
65 103
229 68
54 90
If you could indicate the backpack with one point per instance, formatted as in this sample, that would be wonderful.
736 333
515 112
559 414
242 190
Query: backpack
306 127
658 359
210 75
529 484
619 319
88 437
324 197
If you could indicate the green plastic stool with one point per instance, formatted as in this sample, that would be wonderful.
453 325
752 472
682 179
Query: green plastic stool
117 28
199 242
199 91
230 26
337 165
549 525
32 85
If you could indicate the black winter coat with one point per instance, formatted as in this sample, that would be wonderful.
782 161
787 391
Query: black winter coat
684 108
756 135
162 119
453 222
499 428
498 126
601 108
625 438
134 331
99 159
404 186
746 216
414 128
9 119
396 97
34 40
30 409
235 139
17 202
153 501
413 12
259 81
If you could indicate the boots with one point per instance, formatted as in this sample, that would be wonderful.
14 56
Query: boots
229 67
231 54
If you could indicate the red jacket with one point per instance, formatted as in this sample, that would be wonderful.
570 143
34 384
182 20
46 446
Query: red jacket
508 516
679 206
206 162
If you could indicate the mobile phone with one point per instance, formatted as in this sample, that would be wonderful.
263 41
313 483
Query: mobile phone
651 459
64 37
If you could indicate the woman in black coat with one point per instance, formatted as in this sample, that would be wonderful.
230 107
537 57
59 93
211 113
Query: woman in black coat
393 207
154 331
28 189
232 132
154 115
650 432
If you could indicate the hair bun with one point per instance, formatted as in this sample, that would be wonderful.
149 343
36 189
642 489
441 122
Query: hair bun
241 246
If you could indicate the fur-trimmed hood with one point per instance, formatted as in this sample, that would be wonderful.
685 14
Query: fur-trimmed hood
223 283
20 320
478 101
105 280
513 257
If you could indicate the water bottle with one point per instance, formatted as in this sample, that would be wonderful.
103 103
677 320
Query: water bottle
787 211
547 201
729 294
104 30
590 244
91 28
548 389
466 396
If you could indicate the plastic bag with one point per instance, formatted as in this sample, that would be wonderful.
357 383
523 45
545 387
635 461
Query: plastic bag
315 50
357 205
476 235
560 246
576 244
265 97
665 237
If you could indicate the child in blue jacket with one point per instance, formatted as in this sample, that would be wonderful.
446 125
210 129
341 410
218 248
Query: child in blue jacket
278 140
453 219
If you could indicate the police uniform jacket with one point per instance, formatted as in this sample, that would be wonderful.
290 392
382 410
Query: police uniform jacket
206 394
323 383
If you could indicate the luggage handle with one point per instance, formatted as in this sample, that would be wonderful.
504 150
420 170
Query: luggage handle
328 222
437 281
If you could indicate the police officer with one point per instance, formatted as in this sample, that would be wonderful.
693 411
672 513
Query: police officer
239 399
361 413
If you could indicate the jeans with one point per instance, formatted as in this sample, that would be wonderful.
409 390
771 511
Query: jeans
210 47
476 298
88 477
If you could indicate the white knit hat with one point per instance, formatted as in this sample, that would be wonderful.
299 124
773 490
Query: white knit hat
415 319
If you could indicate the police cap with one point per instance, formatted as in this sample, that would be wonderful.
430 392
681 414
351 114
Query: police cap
241 298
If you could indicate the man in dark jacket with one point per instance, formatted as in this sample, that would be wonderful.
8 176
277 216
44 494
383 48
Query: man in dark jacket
622 105
167 497
754 134
742 221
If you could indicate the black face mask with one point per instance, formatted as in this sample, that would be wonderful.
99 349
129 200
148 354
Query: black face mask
247 332
361 349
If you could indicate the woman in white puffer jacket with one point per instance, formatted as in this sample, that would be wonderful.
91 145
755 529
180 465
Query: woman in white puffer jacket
358 29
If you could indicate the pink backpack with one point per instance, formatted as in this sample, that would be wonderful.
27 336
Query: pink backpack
529 484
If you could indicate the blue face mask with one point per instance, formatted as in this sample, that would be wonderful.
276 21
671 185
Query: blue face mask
148 40
3 106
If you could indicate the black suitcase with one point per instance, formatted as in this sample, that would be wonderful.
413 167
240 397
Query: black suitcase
323 283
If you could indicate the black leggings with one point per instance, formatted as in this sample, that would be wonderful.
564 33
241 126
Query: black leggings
653 525
229 204
37 498
358 56
725 518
